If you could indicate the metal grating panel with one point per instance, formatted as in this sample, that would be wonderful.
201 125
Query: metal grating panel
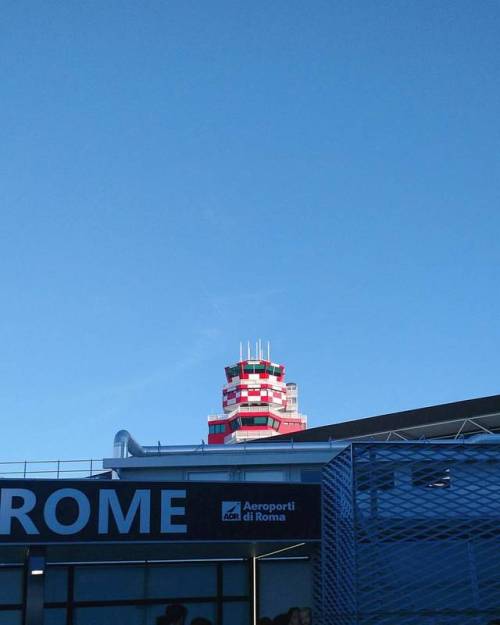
317 597
411 535
338 556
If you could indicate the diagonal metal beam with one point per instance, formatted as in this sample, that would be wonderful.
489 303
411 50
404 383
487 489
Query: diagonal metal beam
465 421
398 433
481 426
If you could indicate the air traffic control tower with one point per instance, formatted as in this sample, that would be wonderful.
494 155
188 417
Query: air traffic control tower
257 402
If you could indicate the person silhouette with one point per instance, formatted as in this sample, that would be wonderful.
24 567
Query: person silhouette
175 614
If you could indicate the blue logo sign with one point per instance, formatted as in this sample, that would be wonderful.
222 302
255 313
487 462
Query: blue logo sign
231 510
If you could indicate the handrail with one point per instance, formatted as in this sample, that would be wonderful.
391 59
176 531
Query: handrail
89 467
125 444
246 409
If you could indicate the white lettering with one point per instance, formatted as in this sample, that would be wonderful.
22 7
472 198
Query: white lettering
108 499
168 511
260 516
270 507
50 511
7 512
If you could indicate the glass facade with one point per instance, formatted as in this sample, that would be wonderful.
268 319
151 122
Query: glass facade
131 594
137 593
274 597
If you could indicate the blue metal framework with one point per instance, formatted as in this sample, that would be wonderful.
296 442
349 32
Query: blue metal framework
411 535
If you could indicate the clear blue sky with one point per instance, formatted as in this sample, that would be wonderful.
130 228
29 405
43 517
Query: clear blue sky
178 176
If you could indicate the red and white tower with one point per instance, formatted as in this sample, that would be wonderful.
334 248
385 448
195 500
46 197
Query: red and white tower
256 400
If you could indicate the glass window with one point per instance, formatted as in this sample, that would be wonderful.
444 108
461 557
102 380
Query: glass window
204 610
264 476
431 475
53 616
11 617
234 424
112 615
56 583
294 580
236 579
109 582
134 615
207 610
11 584
208 476
187 580
254 420
233 372
217 429
152 612
237 612
275 371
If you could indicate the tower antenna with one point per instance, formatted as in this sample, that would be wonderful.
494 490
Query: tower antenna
241 351
248 350
269 350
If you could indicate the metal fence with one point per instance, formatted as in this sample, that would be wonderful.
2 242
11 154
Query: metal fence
53 469
411 535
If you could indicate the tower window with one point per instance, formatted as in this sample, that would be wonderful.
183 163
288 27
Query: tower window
216 429
234 424
256 421
260 420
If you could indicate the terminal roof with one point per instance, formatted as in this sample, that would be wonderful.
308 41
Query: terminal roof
453 420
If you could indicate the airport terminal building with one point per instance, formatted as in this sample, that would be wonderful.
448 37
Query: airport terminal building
393 519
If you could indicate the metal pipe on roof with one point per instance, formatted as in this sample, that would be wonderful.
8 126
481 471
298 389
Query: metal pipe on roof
125 444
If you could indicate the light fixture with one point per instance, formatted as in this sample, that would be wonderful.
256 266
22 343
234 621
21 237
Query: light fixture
36 565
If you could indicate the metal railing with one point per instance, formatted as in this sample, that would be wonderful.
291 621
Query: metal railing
125 446
51 469
269 408
248 435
